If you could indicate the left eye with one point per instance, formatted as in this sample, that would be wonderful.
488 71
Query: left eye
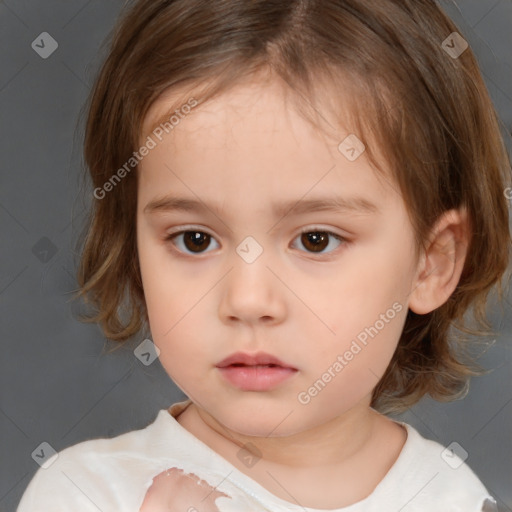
195 241
318 241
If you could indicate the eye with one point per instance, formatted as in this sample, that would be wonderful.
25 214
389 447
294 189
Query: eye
316 241
192 240
196 241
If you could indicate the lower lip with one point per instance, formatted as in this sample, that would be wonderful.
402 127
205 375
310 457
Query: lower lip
256 378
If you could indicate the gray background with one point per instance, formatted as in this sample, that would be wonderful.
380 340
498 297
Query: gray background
57 383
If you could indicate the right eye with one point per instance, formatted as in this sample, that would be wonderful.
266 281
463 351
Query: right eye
190 240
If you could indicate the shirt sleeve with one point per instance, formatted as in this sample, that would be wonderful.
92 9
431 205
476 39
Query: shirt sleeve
52 491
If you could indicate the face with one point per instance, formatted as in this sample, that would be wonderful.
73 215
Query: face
253 262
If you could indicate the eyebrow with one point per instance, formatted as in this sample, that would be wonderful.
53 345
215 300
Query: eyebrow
356 204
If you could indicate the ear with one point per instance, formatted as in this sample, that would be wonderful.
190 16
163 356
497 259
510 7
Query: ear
441 264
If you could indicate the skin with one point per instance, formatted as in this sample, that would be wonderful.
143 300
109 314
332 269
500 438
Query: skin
174 490
244 151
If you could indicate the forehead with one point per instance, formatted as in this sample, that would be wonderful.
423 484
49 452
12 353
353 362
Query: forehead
255 131
260 89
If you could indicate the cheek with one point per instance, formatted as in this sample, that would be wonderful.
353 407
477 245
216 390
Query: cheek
165 288
375 286
367 311
347 373
174 311
165 296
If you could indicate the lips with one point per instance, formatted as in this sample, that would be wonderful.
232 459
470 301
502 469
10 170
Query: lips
259 359
255 372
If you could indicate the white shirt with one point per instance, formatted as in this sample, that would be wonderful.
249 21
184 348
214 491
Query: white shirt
113 475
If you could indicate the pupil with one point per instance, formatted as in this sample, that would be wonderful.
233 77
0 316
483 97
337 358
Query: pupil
198 241
318 239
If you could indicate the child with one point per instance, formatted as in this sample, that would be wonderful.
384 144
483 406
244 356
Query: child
299 199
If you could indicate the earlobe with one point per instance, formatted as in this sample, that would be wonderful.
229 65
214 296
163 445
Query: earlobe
440 265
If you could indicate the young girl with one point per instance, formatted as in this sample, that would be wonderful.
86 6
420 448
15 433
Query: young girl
299 199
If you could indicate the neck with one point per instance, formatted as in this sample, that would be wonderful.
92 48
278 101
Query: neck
329 444
355 450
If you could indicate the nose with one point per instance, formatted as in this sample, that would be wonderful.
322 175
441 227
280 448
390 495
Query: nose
252 294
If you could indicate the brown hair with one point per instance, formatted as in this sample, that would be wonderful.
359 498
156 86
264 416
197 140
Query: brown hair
428 113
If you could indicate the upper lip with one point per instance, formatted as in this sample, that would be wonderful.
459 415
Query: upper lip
251 360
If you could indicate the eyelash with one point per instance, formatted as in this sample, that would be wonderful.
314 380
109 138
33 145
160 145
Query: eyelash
342 240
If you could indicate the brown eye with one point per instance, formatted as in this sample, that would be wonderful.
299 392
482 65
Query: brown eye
318 241
191 241
315 241
196 241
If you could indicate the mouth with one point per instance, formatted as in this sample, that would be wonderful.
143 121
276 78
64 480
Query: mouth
259 372
254 365
260 359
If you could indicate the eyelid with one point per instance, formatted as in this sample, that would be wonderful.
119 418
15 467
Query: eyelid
307 229
188 227
321 229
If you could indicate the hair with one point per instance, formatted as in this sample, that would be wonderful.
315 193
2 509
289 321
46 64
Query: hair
428 114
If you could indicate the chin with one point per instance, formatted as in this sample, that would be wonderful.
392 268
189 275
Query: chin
269 423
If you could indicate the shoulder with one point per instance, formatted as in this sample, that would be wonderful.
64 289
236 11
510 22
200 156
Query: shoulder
434 475
109 474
